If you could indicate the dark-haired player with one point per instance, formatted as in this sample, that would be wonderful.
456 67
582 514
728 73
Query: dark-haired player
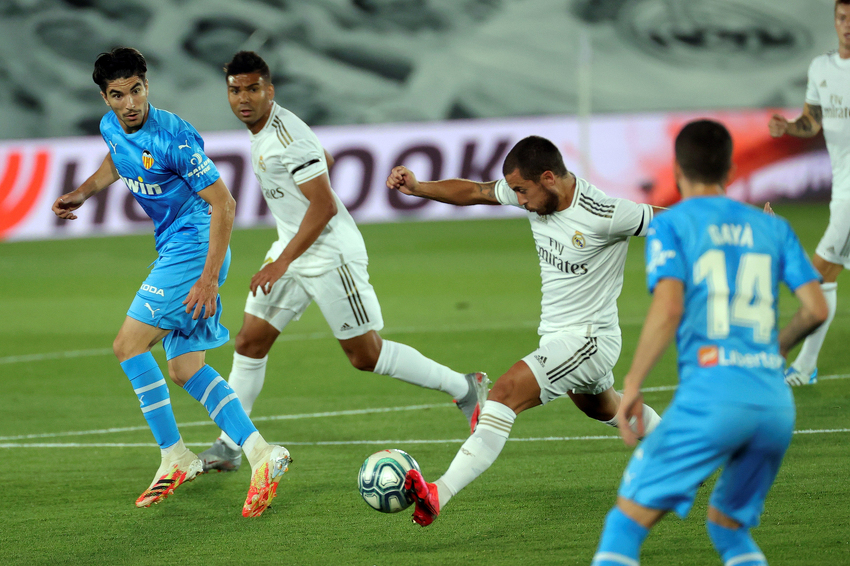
828 85
582 237
319 257
714 267
161 159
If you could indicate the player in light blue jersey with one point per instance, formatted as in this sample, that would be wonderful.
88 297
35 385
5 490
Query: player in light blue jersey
162 162
714 267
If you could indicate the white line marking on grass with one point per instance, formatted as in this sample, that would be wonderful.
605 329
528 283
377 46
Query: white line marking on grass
55 356
211 423
396 442
523 325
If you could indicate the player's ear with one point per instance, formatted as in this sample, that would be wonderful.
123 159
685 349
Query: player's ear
271 91
103 96
733 170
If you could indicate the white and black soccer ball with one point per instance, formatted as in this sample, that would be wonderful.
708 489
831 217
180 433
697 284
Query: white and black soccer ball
381 480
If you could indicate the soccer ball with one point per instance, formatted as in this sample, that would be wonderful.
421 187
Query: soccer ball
381 480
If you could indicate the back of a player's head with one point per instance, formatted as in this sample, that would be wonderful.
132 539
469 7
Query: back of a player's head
704 151
247 62
533 156
120 63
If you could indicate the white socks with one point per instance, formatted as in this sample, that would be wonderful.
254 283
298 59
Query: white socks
246 379
650 421
405 363
254 446
807 359
479 451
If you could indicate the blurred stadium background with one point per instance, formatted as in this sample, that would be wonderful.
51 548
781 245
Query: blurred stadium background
386 81
446 87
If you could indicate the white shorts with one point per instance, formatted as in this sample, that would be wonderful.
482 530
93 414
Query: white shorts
834 246
567 362
344 295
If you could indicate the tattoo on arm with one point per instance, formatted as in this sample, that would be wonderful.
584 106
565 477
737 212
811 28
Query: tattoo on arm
817 114
487 190
804 124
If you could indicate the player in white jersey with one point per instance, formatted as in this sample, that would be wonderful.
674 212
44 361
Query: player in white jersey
582 237
319 257
825 109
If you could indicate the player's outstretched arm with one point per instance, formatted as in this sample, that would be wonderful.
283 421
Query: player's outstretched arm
659 329
105 175
461 192
319 212
812 313
806 126
204 292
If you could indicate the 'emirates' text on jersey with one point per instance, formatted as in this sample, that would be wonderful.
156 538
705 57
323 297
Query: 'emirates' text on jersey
582 252
164 166
285 154
730 257
828 86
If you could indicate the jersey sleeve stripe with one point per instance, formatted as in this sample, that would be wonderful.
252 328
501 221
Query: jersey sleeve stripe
593 207
640 226
304 166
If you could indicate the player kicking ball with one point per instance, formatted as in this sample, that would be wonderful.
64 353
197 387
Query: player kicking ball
161 159
319 257
582 237
713 266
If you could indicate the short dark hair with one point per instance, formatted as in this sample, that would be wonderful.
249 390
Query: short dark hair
704 151
533 156
120 63
246 62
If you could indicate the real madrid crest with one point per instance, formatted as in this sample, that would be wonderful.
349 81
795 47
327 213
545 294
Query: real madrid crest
262 164
147 159
578 240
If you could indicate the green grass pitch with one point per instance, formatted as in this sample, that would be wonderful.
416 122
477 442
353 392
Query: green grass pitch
76 452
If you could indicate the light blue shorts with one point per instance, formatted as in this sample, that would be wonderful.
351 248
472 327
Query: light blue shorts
159 301
747 441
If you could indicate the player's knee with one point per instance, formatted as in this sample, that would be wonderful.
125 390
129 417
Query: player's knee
515 393
363 360
251 346
121 349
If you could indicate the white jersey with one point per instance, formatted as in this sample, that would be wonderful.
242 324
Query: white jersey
582 252
829 83
286 153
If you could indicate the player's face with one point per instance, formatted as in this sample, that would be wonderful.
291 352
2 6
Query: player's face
128 98
250 98
532 195
842 25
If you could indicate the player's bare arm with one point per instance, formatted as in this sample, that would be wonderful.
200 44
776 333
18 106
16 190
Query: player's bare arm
321 209
328 158
659 330
812 313
462 192
204 292
806 126
105 175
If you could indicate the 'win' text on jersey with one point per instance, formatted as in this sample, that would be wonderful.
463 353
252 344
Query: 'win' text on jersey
164 166
286 153
730 257
582 253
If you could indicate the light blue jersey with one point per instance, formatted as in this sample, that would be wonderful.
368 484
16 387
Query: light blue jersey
731 258
164 166
732 409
